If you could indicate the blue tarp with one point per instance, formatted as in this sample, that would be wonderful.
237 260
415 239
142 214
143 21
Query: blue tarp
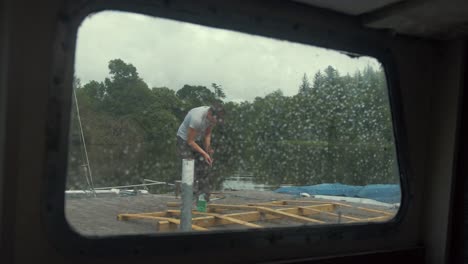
387 193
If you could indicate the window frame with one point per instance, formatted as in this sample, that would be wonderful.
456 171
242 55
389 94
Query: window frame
219 15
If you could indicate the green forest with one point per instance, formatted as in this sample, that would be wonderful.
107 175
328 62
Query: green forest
336 129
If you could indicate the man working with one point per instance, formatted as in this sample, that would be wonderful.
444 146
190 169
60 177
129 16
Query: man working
197 127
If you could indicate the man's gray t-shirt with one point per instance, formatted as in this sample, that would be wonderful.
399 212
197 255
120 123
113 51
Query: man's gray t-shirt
196 119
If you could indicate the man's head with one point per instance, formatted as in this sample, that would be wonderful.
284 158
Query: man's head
217 113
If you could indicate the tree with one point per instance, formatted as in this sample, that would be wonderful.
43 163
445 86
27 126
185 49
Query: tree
76 82
341 131
305 86
122 71
125 92
318 80
194 96
218 90
167 99
95 91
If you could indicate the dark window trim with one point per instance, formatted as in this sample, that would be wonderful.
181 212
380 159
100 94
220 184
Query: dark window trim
221 15
412 255
457 227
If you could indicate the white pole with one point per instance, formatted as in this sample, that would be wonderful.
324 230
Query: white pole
88 167
187 194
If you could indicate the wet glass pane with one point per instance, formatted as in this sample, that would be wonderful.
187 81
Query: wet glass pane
280 133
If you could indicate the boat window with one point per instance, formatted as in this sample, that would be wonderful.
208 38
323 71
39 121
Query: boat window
181 127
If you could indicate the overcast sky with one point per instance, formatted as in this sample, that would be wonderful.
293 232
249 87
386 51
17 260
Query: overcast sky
171 54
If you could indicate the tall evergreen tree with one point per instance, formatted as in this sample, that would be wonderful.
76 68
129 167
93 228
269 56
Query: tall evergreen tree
318 80
305 86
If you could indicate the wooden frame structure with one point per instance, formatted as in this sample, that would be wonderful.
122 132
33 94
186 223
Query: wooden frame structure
253 214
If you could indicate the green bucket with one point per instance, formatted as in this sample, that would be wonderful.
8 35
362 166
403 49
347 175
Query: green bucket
201 203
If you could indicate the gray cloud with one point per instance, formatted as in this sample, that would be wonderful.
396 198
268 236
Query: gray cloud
170 53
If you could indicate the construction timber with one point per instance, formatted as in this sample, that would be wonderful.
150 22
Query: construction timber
261 215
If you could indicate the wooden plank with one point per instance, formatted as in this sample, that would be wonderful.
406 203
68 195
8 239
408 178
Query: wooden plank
318 207
210 219
178 205
376 211
279 202
177 222
282 202
366 209
288 215
294 202
138 216
327 206
173 204
265 204
231 206
231 219
167 219
272 203
205 221
251 216
331 214
123 217
379 218
293 210
165 226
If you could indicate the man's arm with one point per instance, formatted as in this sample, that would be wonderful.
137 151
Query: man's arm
207 141
191 134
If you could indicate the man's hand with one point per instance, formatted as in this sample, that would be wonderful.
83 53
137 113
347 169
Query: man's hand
210 151
208 159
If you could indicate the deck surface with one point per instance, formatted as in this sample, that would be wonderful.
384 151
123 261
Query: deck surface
98 216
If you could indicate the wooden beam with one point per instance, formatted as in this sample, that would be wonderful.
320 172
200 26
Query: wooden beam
293 202
319 207
266 204
123 217
379 218
209 220
230 206
178 205
177 222
376 211
167 219
331 214
272 203
254 216
366 209
173 204
166 223
288 215
250 216
165 226
231 219
324 206
293 210
289 203
205 221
